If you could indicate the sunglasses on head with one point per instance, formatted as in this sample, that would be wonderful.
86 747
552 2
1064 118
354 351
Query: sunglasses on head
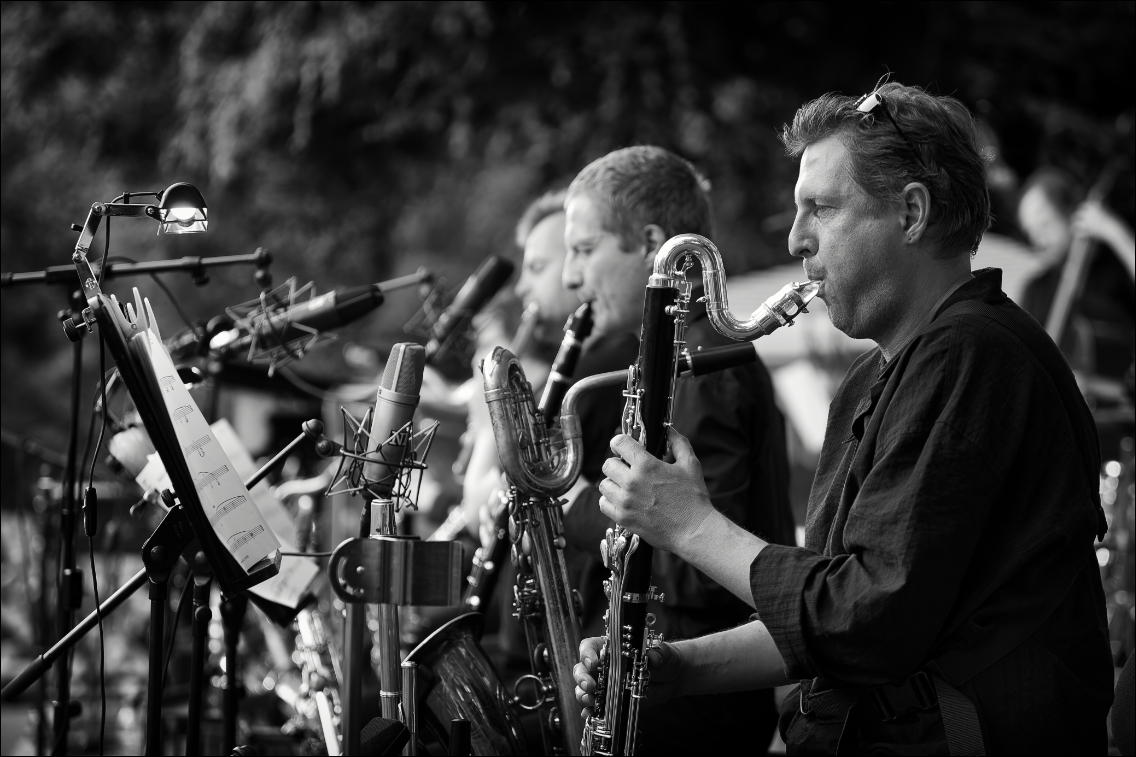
874 103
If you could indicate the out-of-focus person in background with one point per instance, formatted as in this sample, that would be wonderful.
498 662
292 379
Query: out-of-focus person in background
540 233
1098 340
620 210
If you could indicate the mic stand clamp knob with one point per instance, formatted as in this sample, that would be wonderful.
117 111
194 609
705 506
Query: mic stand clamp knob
77 327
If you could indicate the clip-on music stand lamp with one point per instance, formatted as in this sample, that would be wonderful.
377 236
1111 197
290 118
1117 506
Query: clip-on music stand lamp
181 210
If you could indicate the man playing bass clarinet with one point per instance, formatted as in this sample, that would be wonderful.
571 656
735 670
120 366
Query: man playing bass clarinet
947 599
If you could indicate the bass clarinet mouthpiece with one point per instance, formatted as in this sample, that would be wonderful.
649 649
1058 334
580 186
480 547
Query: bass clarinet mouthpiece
789 302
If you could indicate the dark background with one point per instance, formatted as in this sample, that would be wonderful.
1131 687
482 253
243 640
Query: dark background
359 141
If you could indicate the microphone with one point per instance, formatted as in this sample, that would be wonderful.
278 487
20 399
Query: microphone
382 737
323 313
702 361
394 408
478 289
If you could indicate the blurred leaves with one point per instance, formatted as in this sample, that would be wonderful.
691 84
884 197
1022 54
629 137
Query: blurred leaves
358 141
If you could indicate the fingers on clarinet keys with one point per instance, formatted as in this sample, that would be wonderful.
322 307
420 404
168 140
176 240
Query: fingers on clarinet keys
583 672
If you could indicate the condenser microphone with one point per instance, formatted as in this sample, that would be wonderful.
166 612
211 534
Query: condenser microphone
478 289
394 408
326 312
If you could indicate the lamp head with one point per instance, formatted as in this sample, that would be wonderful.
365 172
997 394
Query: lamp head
182 210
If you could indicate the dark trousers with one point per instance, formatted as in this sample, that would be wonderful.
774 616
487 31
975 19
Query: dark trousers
738 723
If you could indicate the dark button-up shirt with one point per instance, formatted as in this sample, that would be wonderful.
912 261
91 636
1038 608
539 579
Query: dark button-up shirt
953 506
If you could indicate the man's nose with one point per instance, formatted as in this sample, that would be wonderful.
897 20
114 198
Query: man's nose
522 287
801 243
572 277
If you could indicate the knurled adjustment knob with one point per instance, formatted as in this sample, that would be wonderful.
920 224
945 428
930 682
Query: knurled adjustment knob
73 332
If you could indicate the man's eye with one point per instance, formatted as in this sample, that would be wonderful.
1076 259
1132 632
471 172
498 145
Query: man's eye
536 267
583 250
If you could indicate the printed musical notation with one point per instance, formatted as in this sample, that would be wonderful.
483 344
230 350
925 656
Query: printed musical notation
224 501
197 446
227 507
241 538
210 478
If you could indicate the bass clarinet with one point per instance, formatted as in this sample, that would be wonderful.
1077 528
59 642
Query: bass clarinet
622 675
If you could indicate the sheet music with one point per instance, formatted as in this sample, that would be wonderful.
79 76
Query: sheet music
242 527
296 573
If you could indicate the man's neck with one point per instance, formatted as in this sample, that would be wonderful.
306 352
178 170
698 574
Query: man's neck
927 296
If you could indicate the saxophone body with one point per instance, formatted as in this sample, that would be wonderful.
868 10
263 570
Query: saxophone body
488 558
622 674
541 466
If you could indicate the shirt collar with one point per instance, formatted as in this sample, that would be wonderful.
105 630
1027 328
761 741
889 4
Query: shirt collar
934 311
984 284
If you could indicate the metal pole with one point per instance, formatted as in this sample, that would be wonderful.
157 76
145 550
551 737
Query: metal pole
158 593
202 583
410 705
69 582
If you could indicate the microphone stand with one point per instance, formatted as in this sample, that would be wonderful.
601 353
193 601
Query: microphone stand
159 555
381 567
194 265
69 586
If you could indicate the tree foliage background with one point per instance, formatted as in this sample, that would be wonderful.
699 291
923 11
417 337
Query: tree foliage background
358 141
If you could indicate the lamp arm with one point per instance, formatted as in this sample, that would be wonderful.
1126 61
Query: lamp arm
87 276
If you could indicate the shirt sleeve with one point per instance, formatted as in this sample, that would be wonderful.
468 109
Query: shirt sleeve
959 505
870 615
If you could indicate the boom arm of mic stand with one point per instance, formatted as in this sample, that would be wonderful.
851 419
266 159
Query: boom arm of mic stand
32 673
65 274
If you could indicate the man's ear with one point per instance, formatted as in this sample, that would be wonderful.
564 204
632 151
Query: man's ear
917 211
653 239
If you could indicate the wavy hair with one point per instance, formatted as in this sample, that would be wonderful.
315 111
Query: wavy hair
943 151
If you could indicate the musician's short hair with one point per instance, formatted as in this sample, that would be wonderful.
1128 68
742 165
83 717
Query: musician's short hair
945 154
641 185
1059 187
548 204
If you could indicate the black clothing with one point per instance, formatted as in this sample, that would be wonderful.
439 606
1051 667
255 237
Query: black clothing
954 505
600 411
1102 327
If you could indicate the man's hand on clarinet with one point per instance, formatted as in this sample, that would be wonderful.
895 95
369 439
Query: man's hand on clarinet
664 664
664 503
